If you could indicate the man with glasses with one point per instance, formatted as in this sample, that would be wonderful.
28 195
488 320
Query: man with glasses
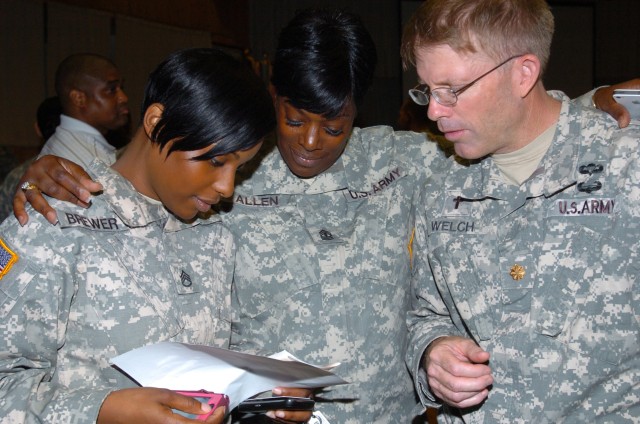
525 305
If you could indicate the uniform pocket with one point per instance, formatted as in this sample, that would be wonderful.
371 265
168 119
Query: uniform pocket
13 283
468 284
585 295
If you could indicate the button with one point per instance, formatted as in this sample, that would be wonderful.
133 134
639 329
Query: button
517 272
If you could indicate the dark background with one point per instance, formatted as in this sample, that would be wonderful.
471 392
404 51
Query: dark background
597 42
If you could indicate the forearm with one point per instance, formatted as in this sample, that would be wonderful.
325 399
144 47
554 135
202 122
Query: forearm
429 318
27 397
423 330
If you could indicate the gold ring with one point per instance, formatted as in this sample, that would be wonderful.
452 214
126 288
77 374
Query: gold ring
28 186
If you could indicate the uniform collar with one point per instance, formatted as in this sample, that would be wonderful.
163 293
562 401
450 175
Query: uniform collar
269 174
133 208
557 169
364 162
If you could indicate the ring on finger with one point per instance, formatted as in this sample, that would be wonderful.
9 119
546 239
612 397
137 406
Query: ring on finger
28 186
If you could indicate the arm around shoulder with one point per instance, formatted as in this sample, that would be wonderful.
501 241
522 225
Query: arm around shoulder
602 98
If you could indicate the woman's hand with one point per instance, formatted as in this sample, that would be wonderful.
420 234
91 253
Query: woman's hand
603 100
57 177
148 405
288 416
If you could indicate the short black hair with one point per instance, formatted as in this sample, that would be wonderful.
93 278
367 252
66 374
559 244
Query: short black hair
209 99
72 71
324 59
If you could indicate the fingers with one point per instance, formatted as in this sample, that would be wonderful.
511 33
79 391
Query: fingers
459 399
19 202
39 203
457 371
77 181
70 187
292 391
58 178
619 113
217 417
290 416
188 404
459 390
477 355
603 100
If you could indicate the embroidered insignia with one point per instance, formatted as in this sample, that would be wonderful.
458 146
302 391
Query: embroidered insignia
457 201
7 258
384 182
583 207
185 279
517 272
590 169
68 220
454 204
325 235
589 186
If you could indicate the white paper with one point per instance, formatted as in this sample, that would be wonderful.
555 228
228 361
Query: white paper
181 366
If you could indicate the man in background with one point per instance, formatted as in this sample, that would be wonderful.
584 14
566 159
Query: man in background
93 104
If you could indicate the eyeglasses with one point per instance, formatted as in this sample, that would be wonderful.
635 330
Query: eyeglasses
446 96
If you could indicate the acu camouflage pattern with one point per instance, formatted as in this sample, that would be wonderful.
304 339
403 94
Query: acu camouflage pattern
322 269
8 188
564 340
79 296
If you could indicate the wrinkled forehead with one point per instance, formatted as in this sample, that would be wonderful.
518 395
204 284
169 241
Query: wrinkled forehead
442 62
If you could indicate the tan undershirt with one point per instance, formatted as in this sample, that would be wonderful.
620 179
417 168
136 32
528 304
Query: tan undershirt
518 166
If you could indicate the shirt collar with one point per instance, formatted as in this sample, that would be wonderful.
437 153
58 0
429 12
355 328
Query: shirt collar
75 125
133 208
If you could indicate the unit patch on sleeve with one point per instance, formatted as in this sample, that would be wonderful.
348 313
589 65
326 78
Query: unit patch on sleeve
7 258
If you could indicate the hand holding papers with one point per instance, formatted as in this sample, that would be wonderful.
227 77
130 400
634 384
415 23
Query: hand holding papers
181 366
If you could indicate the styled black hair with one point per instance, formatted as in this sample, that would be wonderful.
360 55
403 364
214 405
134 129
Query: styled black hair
209 99
324 59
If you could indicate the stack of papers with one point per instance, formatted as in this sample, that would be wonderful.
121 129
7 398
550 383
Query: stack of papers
182 366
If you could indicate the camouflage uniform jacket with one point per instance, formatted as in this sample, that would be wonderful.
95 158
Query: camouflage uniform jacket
322 269
542 276
119 275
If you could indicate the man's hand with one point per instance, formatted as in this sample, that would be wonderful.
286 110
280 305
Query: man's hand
603 100
457 371
57 177
147 405
291 417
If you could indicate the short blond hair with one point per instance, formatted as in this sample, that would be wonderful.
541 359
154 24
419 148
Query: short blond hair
499 28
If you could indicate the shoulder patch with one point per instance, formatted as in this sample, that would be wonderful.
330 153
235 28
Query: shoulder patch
7 258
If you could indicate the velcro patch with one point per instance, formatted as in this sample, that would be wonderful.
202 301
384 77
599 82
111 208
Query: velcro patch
7 258
68 220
